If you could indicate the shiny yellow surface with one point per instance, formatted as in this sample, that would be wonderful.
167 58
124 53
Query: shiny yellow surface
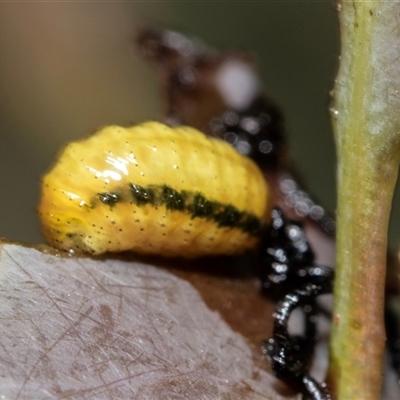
148 154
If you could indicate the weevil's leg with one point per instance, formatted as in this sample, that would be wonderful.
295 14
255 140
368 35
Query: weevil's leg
315 390
285 253
295 351
310 337
284 351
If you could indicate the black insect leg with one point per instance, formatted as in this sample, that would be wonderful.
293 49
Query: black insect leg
286 353
315 390
290 355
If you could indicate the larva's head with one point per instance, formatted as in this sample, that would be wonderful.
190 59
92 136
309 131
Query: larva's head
153 189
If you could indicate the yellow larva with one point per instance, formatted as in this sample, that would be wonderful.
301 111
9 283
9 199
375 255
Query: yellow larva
153 189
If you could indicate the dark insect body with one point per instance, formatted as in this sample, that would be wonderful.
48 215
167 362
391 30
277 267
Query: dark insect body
254 126
291 270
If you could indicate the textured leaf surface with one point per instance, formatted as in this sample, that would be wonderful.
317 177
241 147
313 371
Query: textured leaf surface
85 328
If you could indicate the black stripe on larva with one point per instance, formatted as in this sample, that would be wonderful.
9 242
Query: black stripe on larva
195 204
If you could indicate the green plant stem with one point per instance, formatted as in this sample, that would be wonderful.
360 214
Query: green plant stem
365 115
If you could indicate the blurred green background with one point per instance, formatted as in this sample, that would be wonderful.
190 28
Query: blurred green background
68 68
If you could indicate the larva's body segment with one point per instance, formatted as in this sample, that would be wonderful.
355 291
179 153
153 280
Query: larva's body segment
153 189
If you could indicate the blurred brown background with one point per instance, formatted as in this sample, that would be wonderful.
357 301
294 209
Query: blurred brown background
68 68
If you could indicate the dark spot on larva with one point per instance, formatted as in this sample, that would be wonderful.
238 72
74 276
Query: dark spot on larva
109 198
172 199
228 216
251 224
201 207
142 195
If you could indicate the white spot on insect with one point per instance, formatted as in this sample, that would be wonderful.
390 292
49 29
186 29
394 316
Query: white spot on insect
243 147
82 203
180 42
237 83
265 146
154 148
317 212
231 137
250 124
294 232
231 118
175 166
187 76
